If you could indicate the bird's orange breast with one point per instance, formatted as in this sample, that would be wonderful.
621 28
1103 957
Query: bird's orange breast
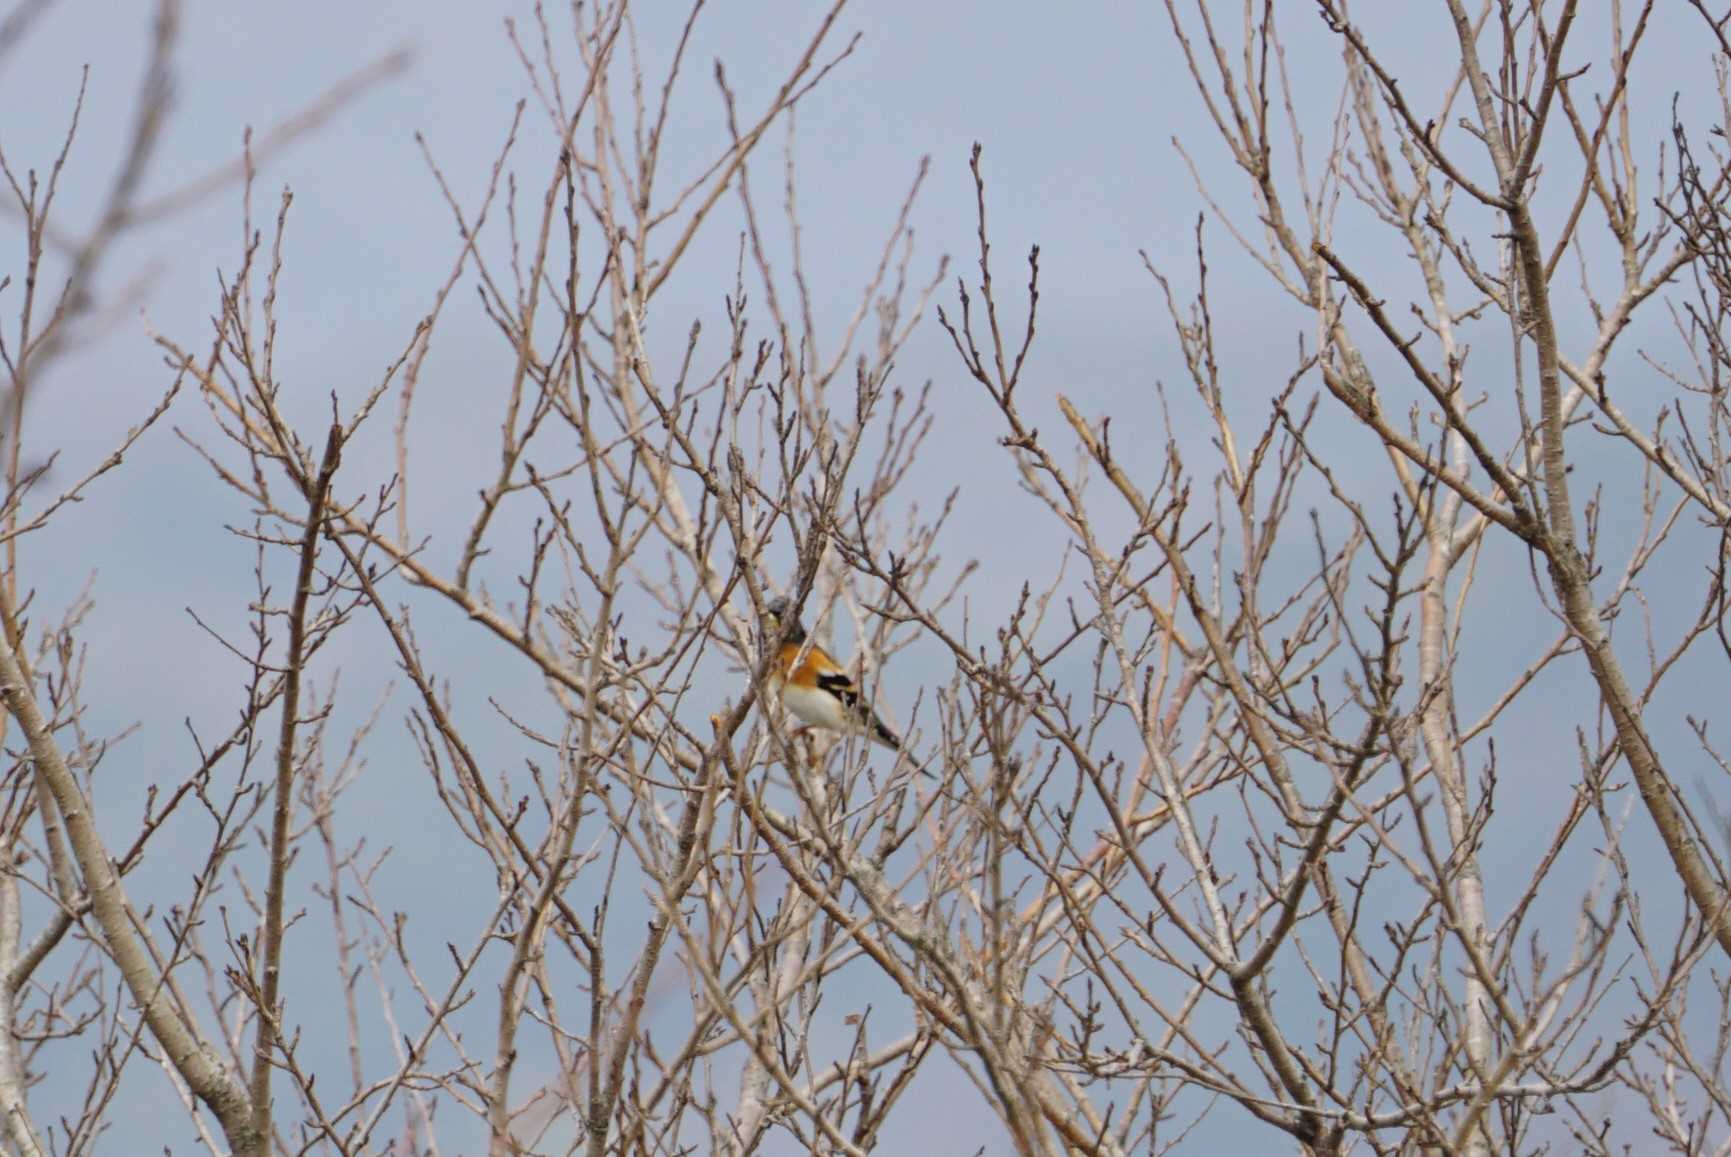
804 672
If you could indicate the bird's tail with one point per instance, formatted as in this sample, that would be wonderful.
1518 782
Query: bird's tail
882 734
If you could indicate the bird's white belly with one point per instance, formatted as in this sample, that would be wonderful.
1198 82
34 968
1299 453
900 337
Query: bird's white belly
817 708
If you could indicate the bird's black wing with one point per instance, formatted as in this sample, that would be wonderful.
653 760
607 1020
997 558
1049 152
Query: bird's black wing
841 685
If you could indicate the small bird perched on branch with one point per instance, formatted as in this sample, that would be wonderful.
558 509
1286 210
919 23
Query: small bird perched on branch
813 686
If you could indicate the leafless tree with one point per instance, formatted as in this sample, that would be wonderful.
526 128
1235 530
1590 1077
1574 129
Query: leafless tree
1213 829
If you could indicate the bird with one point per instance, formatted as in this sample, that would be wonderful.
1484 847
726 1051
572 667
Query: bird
813 686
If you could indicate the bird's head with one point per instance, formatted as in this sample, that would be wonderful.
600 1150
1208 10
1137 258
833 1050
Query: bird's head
779 614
